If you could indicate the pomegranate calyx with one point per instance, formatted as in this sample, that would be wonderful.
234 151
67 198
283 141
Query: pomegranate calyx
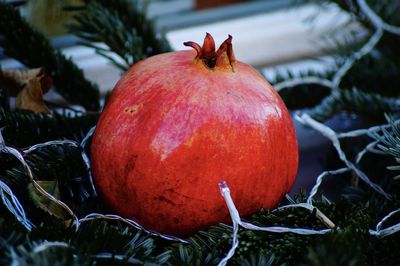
223 57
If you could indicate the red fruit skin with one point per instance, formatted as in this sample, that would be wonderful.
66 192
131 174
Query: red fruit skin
173 128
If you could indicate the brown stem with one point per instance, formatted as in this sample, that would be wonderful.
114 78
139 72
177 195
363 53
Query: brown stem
223 57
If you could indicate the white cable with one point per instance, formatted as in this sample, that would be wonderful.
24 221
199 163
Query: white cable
384 219
367 148
357 55
320 178
86 159
326 131
380 27
49 143
132 223
236 221
377 20
303 81
17 209
14 206
365 131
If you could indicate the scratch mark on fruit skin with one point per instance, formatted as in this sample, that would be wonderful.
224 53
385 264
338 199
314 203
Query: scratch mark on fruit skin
164 199
190 132
133 109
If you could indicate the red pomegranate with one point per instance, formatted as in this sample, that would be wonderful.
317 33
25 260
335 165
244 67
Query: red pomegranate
178 123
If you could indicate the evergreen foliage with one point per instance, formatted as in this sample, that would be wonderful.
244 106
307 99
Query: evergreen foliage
121 26
389 143
23 129
30 47
369 91
356 101
377 73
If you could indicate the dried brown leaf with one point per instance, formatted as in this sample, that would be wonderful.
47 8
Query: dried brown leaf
15 80
31 98
44 202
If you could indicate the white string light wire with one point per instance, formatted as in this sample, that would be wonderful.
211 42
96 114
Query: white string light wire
364 151
380 27
305 119
357 56
306 80
334 83
18 211
366 131
377 20
132 223
384 219
327 132
35 184
14 206
236 221
51 143
379 232
318 183
86 158
9 199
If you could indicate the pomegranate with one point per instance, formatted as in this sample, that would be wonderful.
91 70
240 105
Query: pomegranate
177 124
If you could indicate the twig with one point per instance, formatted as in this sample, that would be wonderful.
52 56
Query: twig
320 215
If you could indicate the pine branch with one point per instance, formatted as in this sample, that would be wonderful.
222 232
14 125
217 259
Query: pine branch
123 27
376 74
134 16
298 97
24 129
389 143
94 243
98 24
52 163
31 48
369 105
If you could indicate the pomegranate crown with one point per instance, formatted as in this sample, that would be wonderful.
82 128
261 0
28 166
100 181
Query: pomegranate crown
223 57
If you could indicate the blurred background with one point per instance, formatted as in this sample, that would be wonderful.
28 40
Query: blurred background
266 33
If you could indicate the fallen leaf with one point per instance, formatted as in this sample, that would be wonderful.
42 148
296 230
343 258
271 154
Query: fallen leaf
44 202
31 98
15 80
28 86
